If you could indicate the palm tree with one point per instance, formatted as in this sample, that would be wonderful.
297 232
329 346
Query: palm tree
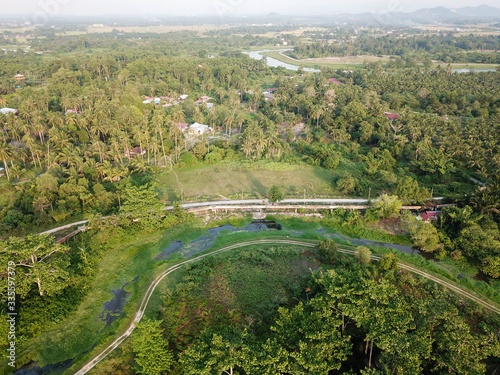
5 153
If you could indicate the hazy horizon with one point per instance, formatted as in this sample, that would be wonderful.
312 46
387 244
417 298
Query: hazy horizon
222 7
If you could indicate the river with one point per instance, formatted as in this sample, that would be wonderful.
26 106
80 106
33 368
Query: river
272 62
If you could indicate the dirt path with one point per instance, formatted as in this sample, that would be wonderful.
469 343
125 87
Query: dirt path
142 309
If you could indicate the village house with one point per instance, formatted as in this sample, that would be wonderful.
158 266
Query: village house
137 151
182 126
428 216
203 99
74 111
391 116
268 96
19 77
335 81
199 129
6 111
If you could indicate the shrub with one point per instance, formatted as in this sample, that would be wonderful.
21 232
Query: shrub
362 254
327 251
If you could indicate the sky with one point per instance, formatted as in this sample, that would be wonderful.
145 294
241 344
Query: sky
223 7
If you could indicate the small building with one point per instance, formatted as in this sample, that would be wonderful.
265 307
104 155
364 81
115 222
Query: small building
203 99
199 129
182 126
335 81
19 77
6 111
183 97
268 96
391 116
137 151
74 111
428 216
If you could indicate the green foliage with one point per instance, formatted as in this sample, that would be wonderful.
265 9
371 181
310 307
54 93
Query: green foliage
408 191
363 254
425 237
388 262
152 356
387 206
347 184
188 159
142 204
39 262
275 194
328 251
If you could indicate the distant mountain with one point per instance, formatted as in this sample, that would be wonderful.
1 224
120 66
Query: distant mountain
425 16
480 11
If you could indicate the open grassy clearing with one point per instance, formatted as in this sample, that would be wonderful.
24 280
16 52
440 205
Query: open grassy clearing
255 179
307 63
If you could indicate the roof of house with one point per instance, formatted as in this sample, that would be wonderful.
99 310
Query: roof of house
335 81
137 151
424 216
391 116
73 111
6 111
182 125
183 97
199 127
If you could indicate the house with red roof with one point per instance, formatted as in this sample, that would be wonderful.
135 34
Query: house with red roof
335 81
182 126
391 116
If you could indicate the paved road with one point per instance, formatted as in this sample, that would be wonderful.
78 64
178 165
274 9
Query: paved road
64 227
232 202
140 313
242 202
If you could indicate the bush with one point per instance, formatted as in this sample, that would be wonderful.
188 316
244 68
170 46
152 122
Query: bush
362 254
328 251
388 262
275 194
187 159
347 184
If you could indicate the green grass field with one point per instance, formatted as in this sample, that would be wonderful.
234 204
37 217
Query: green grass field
229 179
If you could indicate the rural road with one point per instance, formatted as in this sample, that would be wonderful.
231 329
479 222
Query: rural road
140 313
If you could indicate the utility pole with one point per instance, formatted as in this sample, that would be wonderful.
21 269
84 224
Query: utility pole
304 198
369 194
241 194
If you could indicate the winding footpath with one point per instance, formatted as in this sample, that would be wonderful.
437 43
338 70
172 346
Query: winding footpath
142 309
